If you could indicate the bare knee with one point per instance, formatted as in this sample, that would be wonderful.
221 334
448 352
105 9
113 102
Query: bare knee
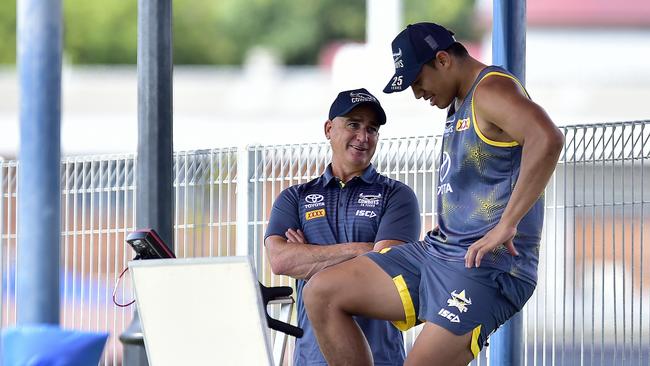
355 287
317 293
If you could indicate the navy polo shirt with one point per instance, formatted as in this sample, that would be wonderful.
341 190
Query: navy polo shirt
368 208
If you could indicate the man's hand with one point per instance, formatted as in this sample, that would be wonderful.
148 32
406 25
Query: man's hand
383 244
500 234
295 236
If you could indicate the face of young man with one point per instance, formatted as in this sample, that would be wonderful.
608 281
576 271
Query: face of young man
353 138
432 85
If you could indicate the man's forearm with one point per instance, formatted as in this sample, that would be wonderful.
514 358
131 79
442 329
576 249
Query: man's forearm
302 261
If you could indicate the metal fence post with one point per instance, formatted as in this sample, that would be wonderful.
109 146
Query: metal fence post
154 168
246 245
242 247
39 208
509 51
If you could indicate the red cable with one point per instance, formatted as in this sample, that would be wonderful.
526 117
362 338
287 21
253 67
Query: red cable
115 290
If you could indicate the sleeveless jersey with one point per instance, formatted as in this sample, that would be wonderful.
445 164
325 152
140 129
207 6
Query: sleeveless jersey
475 181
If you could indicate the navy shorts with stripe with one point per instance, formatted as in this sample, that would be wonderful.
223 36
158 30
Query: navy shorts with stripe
459 299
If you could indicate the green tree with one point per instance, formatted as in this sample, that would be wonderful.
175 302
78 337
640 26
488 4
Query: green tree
457 15
8 32
221 32
199 33
298 30
100 32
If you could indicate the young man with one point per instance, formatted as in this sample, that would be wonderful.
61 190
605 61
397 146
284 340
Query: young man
478 267
348 211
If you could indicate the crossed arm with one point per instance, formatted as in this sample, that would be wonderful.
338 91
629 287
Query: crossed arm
295 257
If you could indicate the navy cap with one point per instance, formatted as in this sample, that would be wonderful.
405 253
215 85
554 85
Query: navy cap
413 47
350 99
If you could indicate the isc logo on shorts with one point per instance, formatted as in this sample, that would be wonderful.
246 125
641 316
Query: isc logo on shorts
315 214
449 315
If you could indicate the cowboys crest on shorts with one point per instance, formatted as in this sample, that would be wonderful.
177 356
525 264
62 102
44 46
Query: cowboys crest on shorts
459 301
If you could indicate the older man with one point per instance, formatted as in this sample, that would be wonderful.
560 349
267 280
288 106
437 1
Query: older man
348 211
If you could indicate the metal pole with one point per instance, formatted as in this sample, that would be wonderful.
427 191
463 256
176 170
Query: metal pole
509 51
154 171
509 36
39 199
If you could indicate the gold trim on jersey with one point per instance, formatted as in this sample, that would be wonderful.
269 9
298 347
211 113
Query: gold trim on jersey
475 124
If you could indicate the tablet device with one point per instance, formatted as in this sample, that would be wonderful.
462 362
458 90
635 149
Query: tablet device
148 245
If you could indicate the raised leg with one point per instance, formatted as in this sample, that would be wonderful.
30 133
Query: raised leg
334 295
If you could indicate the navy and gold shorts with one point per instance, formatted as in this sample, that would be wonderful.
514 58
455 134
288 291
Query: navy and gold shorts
459 299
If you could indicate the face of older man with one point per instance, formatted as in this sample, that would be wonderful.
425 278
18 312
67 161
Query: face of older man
353 138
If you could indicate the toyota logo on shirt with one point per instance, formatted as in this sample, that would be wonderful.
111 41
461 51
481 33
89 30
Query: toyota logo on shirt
314 198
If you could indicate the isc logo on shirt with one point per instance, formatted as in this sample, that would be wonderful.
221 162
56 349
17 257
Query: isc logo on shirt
315 214
366 213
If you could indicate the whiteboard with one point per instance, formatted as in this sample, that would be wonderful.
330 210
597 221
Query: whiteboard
201 311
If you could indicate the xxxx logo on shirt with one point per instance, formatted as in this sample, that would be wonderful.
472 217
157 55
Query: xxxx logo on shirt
315 214
462 124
